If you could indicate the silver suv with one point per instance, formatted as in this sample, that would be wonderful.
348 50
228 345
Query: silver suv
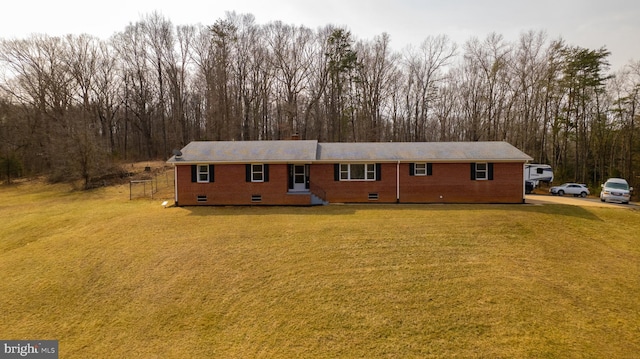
616 190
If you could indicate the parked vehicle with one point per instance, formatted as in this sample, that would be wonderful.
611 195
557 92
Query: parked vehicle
575 189
538 173
616 190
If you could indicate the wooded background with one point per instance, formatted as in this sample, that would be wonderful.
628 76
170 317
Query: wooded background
72 107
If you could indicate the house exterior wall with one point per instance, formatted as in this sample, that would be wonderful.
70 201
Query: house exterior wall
323 176
230 187
448 183
452 183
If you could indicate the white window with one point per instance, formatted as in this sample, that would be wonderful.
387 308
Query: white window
203 173
357 172
257 173
420 169
481 171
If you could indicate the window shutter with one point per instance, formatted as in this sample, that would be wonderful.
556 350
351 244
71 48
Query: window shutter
378 172
248 173
473 171
306 176
194 173
211 173
336 172
490 170
265 168
429 169
290 180
412 169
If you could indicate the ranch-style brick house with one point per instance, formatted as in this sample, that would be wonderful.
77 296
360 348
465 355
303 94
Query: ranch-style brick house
308 172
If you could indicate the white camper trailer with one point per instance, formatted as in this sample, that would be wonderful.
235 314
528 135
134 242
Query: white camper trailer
537 173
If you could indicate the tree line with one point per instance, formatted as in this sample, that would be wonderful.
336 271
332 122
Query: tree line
73 106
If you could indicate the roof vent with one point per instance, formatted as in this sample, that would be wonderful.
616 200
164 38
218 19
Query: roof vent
177 153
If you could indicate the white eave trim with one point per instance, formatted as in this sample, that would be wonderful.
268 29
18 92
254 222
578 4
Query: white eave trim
502 160
331 161
296 162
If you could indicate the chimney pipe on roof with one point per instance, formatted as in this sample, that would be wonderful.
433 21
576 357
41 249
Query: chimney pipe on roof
295 136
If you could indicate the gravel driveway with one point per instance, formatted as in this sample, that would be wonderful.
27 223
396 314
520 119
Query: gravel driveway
575 201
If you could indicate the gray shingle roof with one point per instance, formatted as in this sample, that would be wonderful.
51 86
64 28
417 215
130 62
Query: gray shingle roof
420 151
247 151
311 151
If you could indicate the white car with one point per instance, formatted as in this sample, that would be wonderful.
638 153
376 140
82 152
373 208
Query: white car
616 190
575 189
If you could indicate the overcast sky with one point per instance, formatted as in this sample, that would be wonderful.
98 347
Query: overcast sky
591 24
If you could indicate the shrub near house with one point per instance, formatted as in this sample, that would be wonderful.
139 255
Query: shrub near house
309 172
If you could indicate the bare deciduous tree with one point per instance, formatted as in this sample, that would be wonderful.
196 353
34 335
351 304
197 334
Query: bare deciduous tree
72 104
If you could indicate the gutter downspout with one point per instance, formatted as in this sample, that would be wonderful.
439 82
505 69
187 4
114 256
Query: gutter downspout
175 183
398 182
524 182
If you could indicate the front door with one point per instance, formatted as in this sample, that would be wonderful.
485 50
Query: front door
299 178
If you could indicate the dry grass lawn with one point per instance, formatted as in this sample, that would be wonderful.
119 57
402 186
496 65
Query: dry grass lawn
113 278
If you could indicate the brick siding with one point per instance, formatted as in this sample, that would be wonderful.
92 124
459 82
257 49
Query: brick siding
449 183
